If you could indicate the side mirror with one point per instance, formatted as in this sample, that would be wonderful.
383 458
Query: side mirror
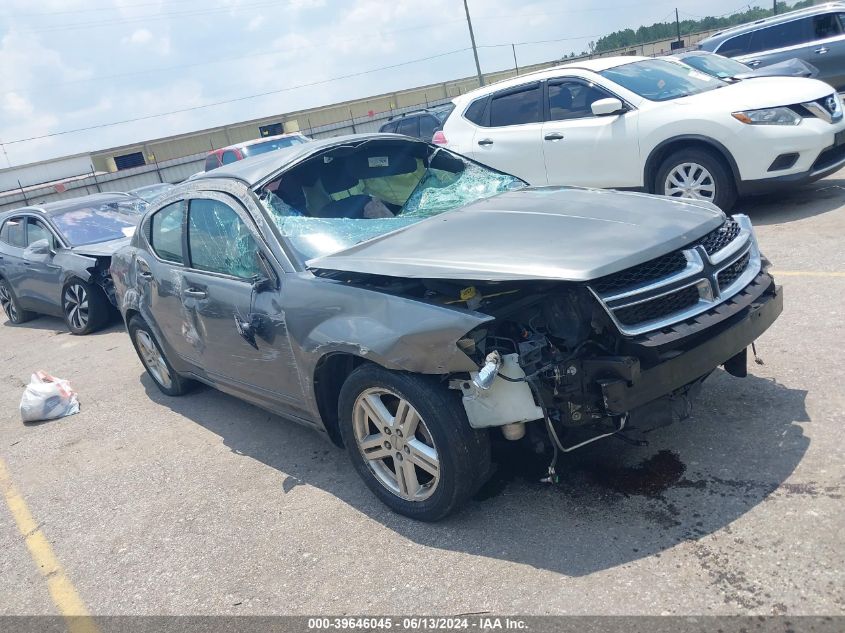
38 250
604 107
266 278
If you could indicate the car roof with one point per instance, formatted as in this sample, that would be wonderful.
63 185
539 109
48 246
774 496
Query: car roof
157 185
255 141
254 169
592 65
60 206
774 19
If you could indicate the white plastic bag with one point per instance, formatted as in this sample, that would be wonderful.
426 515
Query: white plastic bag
48 398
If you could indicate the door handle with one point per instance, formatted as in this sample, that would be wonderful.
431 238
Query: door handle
485 141
754 63
554 136
145 274
144 270
821 51
195 293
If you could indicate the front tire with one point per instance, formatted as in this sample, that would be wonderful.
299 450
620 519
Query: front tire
155 362
11 307
85 307
410 441
699 175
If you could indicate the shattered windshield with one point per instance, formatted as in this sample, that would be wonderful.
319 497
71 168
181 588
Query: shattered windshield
95 223
353 194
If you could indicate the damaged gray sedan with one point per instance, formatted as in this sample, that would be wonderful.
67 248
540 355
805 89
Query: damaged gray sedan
416 306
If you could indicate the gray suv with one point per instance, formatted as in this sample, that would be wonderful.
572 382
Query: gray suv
815 35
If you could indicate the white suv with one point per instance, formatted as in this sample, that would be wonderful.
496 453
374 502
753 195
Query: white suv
654 125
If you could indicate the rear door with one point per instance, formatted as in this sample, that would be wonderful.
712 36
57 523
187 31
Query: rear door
587 150
778 43
12 245
42 283
509 138
827 52
218 295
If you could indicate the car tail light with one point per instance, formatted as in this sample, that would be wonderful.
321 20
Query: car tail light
439 138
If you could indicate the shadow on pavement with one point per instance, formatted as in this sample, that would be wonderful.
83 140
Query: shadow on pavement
615 503
790 205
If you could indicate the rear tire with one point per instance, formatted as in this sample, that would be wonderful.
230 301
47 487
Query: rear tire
697 174
11 307
85 307
155 362
423 460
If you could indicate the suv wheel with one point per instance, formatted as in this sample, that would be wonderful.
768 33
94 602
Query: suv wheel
410 441
698 175
9 302
85 306
154 360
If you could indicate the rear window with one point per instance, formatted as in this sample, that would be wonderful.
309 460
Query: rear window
166 232
475 111
13 232
211 162
409 126
516 107
738 45
388 127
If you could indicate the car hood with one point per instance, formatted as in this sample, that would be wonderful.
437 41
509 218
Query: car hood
102 249
763 92
560 233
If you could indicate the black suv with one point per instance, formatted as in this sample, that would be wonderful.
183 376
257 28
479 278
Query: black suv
420 124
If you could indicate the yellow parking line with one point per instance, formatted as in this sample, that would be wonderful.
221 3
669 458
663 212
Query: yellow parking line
806 273
61 589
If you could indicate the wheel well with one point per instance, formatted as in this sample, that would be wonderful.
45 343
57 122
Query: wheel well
128 316
661 152
331 372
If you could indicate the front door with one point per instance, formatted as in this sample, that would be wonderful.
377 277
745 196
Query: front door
587 150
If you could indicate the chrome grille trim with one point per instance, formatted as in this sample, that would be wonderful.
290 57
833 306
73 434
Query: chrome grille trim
702 271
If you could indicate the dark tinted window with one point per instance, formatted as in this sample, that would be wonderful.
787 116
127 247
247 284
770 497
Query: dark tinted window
229 157
738 45
166 232
826 25
475 111
388 127
408 126
782 35
211 162
127 161
516 107
13 232
572 100
36 231
219 241
428 125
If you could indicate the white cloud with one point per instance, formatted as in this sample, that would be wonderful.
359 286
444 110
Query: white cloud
255 23
140 36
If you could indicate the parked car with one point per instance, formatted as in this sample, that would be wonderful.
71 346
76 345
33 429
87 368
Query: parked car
637 122
239 151
55 258
734 70
815 35
151 192
442 304
420 123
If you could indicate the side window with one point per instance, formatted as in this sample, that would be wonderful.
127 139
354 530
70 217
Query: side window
14 232
219 241
516 107
826 25
36 231
389 127
409 126
428 126
229 157
476 110
739 45
572 99
166 232
211 162
782 35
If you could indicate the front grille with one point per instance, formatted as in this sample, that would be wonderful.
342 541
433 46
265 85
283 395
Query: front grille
828 157
644 273
734 271
659 307
716 240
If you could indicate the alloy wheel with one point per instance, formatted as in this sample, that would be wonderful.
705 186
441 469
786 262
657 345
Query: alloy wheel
76 306
396 444
690 180
7 303
153 359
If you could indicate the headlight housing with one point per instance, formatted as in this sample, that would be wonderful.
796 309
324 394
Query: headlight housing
769 116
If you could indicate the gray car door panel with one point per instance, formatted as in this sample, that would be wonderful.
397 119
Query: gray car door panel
11 249
42 278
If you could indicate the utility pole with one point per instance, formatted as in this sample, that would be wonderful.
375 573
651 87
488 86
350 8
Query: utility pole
515 64
677 24
474 49
775 6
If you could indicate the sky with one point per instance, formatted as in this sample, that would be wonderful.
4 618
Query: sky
71 64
